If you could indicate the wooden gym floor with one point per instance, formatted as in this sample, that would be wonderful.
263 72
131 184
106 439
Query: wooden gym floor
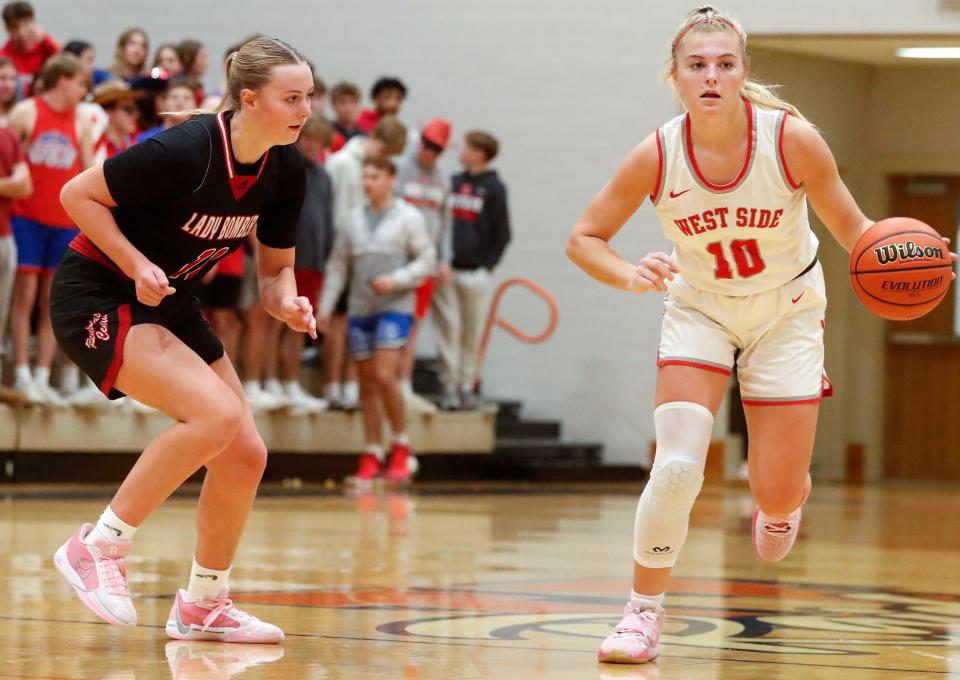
506 584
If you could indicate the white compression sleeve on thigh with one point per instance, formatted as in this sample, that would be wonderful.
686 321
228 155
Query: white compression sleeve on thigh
663 513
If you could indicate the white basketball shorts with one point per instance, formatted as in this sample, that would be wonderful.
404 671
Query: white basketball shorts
775 338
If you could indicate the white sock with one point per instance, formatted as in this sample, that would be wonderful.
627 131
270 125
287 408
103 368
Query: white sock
251 386
21 372
406 387
272 385
375 449
401 438
69 379
111 528
41 376
351 391
206 584
646 601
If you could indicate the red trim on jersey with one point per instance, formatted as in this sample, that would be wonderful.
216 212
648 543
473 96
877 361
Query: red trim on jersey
746 162
656 189
693 364
123 325
750 402
783 159
83 245
239 184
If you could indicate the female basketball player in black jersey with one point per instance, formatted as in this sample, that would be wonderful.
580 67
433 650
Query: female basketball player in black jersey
154 219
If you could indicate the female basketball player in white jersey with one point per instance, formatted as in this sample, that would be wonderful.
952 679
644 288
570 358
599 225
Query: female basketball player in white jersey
154 219
729 180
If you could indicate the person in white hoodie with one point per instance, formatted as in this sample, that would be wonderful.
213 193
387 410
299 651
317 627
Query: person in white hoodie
387 252
345 168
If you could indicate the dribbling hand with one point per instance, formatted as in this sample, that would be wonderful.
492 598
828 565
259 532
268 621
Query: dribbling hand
652 273
152 285
297 313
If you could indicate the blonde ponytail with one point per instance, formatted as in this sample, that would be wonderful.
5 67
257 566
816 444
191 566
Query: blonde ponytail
708 19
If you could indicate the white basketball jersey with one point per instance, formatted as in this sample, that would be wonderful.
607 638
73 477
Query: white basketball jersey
745 237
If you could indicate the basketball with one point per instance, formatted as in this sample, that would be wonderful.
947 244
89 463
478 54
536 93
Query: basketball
900 268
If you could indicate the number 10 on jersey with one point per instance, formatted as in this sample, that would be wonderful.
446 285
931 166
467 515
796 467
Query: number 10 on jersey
746 256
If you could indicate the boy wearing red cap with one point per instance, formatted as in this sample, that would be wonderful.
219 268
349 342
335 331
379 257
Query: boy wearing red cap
421 183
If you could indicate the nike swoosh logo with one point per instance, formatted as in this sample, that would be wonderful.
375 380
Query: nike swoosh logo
184 630
673 195
210 576
797 299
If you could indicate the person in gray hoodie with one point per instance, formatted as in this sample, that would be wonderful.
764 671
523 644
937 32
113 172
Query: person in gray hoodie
423 184
385 248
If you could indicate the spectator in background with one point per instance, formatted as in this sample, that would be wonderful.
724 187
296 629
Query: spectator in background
173 106
345 98
29 46
384 248
130 59
387 94
195 60
422 184
14 183
318 100
314 242
481 232
119 101
87 55
59 146
8 88
167 59
346 173
220 298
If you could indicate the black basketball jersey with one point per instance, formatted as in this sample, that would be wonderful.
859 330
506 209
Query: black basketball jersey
185 202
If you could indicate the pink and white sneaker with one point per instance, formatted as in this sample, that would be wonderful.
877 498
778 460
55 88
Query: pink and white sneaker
773 540
217 619
98 575
636 639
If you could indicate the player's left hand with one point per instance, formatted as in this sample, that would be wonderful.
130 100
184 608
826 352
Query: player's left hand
297 312
383 284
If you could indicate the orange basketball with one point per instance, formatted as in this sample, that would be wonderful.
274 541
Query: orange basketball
900 268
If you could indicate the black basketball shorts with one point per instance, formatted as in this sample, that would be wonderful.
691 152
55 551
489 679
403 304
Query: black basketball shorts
92 308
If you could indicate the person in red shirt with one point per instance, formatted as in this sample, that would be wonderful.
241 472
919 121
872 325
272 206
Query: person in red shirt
14 183
387 94
345 98
29 46
58 147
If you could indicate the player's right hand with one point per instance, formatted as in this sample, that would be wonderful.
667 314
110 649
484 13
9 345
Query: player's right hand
152 285
652 273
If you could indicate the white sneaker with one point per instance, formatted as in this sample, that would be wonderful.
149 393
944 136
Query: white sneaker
273 387
301 401
417 404
51 397
333 395
29 390
351 397
258 399
88 396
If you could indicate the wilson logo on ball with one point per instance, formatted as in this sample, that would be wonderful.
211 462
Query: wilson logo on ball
905 251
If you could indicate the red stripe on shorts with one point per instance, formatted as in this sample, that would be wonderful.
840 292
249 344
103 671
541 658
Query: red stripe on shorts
123 317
